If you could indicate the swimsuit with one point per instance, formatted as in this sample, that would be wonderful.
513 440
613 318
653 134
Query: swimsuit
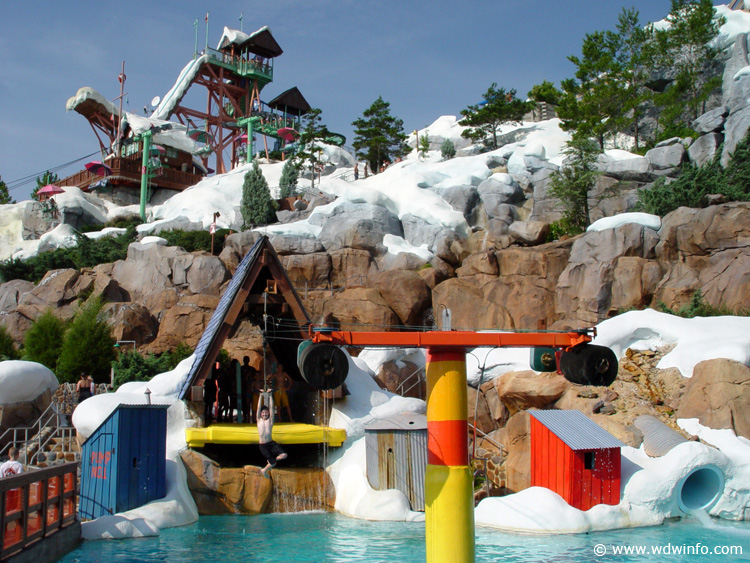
271 450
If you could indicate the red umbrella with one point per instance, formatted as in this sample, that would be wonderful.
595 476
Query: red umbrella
287 133
50 190
157 149
98 168
201 136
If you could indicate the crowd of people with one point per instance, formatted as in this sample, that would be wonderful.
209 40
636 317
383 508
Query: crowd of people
232 393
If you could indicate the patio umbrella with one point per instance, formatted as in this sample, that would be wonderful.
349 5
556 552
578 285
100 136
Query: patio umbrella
156 150
201 136
98 168
50 190
287 133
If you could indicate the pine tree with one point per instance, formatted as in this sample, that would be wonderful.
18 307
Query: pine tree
378 136
424 144
289 177
484 120
46 178
545 92
43 340
5 194
313 133
447 149
257 207
88 345
573 182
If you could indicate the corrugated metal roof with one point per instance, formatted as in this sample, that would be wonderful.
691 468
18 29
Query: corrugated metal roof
402 421
577 430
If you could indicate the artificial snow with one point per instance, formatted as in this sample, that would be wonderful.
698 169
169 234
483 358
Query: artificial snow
645 219
22 381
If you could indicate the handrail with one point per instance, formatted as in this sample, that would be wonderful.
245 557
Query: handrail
420 378
36 504
486 437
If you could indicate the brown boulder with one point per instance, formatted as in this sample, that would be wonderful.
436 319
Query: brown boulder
634 283
405 292
479 263
349 266
516 439
184 322
523 390
58 290
718 395
307 270
480 413
360 309
131 321
471 309
402 377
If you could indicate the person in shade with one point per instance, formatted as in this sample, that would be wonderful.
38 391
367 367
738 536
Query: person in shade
268 448
12 466
210 386
83 387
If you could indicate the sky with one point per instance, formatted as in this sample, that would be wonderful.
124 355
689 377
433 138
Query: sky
426 59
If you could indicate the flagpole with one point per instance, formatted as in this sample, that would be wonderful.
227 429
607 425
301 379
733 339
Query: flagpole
207 32
195 25
242 14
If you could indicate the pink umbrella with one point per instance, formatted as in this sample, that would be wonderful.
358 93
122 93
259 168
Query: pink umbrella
98 168
50 190
287 133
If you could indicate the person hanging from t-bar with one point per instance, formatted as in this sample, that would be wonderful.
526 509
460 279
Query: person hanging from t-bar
270 449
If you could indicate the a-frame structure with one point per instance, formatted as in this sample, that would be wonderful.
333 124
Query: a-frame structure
261 291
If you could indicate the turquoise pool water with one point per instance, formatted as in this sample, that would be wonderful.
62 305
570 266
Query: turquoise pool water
316 537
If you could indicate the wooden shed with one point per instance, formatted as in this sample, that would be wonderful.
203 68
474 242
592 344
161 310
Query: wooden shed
575 457
397 455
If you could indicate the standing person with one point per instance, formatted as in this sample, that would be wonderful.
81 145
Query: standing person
248 378
83 387
12 466
224 390
209 395
92 385
234 376
270 449
356 172
282 383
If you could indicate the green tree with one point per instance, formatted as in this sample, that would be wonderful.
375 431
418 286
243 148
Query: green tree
46 178
88 345
313 133
545 92
257 206
5 194
43 341
498 108
573 182
686 47
379 136
289 178
447 149
424 144
592 103
7 346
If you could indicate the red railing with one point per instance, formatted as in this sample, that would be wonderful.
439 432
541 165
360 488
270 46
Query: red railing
36 504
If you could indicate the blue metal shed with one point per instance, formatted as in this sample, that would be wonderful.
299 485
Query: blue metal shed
124 461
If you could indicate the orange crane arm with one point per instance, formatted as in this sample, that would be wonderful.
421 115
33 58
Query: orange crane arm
451 339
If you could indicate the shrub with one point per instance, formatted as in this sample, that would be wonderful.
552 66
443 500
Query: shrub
448 149
7 346
689 189
289 178
88 345
132 366
43 340
697 307
193 241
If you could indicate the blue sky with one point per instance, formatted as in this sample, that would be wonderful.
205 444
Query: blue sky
427 58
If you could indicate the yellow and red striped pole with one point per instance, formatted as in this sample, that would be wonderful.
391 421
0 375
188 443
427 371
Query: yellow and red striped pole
449 500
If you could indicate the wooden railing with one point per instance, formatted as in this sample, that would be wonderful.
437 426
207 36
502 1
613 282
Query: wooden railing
36 504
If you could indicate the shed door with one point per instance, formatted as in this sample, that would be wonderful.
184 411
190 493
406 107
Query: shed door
99 479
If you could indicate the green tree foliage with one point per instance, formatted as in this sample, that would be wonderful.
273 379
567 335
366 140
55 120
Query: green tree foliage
447 149
484 120
689 189
686 47
86 254
7 346
46 178
592 103
289 178
424 144
132 366
697 307
573 182
88 345
194 241
43 340
313 133
378 136
5 194
545 92
257 206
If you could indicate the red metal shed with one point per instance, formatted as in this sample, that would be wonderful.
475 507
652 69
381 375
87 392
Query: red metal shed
575 457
